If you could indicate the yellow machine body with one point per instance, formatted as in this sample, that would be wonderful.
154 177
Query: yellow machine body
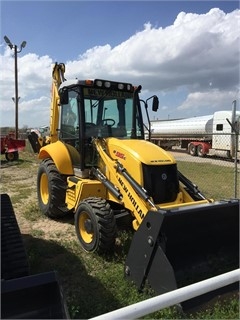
97 164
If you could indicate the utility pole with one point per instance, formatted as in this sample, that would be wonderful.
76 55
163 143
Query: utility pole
16 98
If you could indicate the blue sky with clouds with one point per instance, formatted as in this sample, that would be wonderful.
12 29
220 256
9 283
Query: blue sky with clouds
186 52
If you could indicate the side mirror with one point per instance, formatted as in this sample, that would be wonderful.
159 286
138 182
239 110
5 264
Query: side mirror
155 104
64 97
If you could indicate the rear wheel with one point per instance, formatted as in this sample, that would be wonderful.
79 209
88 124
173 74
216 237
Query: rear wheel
192 149
200 151
95 225
51 190
12 156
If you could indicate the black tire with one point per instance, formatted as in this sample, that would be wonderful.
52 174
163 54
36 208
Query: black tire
200 152
51 190
95 225
14 261
192 149
12 156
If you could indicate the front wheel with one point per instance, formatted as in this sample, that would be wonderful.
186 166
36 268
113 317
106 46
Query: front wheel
51 190
95 225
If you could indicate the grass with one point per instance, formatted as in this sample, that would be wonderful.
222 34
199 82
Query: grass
214 181
227 309
32 212
95 284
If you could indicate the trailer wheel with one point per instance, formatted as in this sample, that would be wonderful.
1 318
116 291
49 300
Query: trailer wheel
95 225
200 151
12 156
192 149
51 190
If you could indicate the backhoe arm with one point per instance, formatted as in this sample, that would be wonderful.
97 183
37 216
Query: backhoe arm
57 79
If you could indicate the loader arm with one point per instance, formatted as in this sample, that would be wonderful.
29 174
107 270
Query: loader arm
129 193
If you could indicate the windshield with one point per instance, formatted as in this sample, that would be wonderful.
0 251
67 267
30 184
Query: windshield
90 112
110 114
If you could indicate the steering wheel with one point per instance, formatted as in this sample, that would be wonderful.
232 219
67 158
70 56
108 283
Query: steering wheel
105 122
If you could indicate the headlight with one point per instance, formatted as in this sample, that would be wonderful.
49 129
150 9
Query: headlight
107 84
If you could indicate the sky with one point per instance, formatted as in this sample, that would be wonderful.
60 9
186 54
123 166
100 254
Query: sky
185 52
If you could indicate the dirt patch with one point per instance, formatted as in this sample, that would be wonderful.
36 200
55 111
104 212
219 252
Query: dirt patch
19 180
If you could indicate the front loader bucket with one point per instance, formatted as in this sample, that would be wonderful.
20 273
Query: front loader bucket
38 296
178 247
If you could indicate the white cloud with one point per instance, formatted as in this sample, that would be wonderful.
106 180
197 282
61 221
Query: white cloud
197 52
210 101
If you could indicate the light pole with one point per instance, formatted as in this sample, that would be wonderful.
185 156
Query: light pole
16 99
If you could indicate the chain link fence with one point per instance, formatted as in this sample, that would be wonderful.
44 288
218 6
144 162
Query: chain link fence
217 175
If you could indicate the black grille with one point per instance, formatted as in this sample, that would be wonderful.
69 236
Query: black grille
161 182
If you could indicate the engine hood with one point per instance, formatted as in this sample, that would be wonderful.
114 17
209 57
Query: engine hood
138 151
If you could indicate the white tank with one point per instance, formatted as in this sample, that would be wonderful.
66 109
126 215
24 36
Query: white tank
189 127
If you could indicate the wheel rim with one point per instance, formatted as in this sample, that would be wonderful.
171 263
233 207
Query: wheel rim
192 149
85 228
44 188
10 156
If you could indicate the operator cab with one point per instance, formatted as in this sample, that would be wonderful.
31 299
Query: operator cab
98 109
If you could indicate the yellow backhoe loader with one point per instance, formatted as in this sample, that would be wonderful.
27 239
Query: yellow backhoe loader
97 164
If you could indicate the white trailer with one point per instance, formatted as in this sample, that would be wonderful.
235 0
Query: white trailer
216 134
